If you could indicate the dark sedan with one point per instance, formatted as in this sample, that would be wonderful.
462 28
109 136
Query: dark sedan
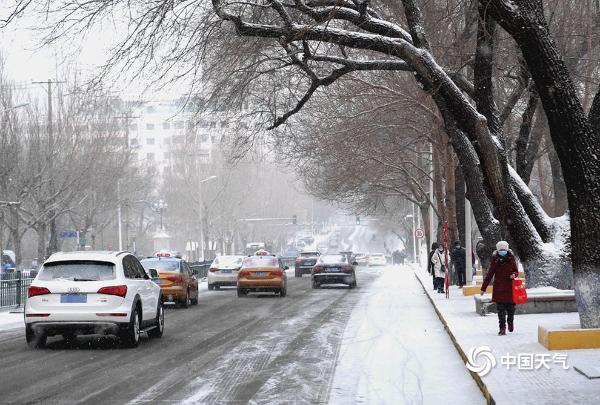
305 262
333 269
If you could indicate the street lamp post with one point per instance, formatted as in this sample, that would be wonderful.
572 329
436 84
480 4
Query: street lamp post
159 207
200 216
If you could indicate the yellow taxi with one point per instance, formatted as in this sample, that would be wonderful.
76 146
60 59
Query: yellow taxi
262 273
175 278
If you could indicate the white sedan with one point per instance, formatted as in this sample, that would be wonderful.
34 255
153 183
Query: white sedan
224 271
377 259
80 293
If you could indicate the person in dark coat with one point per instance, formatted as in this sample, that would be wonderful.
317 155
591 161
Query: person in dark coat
459 261
434 248
504 268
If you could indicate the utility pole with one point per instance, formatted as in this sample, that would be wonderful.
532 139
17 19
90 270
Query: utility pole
53 243
127 116
468 242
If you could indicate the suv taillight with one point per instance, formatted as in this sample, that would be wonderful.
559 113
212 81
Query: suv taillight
277 273
298 259
33 291
243 273
346 268
318 269
118 290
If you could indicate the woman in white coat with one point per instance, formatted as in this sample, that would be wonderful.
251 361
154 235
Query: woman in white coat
439 267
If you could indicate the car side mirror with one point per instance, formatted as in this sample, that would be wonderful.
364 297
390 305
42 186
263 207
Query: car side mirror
153 273
146 277
286 267
355 263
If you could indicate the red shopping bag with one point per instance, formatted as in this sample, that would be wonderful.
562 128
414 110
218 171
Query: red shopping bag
519 293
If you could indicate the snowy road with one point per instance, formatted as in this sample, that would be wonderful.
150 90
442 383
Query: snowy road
388 344
259 349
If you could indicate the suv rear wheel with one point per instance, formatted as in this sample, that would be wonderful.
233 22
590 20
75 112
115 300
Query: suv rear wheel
160 322
130 336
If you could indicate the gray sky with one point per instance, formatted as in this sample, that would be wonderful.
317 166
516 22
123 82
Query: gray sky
27 61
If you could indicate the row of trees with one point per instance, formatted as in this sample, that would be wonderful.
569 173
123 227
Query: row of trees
472 71
62 159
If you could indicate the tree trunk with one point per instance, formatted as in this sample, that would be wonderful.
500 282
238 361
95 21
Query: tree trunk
577 144
460 205
41 231
558 184
451 195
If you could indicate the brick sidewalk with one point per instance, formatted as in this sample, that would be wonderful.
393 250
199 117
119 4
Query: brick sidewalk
516 385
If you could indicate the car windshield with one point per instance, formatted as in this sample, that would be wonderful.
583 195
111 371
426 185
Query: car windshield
77 270
256 261
309 254
227 261
330 259
378 255
167 265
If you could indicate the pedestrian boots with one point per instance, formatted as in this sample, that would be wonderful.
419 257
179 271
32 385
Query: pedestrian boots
502 331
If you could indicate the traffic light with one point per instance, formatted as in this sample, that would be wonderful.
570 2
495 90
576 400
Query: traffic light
357 220
294 219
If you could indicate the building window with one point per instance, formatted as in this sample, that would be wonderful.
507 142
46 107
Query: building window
150 141
133 141
133 127
179 125
178 139
150 156
149 126
166 125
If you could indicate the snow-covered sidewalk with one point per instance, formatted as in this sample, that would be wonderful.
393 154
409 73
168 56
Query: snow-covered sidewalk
512 380
10 320
395 350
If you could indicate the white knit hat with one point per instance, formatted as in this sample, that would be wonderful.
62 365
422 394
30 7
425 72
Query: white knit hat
502 245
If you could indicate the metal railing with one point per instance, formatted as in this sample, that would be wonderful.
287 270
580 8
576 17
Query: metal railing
200 269
13 288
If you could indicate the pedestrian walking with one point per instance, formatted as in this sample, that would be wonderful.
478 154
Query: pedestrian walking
434 248
459 261
439 268
503 268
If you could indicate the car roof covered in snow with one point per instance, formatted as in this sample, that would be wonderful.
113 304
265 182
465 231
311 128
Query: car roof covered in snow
98 255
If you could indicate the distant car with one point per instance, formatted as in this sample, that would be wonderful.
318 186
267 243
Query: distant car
260 274
349 256
362 258
88 292
224 271
175 278
377 259
333 269
305 262
322 248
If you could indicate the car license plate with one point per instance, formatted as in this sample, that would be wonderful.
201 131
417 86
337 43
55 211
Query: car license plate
332 270
73 298
260 273
226 271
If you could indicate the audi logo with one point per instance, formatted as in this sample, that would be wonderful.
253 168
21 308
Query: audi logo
73 290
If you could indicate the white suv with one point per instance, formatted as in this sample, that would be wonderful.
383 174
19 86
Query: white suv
80 293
